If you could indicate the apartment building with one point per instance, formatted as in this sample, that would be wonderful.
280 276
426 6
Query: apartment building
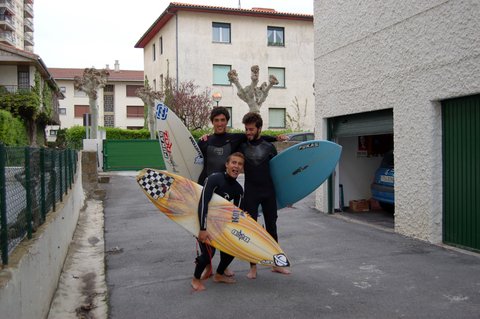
203 43
16 24
118 104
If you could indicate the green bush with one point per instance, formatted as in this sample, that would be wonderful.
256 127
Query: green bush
74 137
114 133
12 130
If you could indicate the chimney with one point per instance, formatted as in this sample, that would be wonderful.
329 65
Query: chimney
117 66
107 67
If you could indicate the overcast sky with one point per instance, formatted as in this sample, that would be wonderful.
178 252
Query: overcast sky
93 33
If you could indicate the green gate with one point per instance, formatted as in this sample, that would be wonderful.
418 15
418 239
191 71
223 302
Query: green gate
131 155
461 171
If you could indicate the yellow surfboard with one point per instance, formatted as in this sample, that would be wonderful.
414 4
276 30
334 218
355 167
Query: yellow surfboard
232 230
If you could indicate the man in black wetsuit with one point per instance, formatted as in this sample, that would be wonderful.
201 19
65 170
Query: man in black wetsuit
259 189
224 184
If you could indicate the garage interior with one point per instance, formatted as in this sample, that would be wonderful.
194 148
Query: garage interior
365 138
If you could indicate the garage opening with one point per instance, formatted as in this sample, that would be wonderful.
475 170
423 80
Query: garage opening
363 186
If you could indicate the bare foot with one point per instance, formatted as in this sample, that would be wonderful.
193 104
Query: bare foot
252 274
197 285
207 273
229 273
280 270
224 279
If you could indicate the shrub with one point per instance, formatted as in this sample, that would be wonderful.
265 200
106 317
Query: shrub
12 130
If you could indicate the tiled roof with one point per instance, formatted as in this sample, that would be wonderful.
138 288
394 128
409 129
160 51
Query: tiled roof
177 6
121 75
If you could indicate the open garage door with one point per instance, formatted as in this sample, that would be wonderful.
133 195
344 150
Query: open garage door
365 138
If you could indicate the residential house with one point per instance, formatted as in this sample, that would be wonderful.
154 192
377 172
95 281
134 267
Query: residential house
118 104
202 43
404 76
16 24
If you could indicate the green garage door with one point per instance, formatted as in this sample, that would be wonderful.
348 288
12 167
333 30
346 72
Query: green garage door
461 171
131 155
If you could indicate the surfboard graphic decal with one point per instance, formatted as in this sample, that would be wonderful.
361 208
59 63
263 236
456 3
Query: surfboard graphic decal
155 184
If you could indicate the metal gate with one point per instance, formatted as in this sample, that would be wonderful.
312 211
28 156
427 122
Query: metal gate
461 171
131 155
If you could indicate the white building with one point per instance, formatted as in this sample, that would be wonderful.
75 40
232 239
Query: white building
16 24
118 104
202 43
392 69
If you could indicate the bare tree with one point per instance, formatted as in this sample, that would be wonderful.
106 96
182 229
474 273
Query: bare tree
148 97
296 120
91 81
251 94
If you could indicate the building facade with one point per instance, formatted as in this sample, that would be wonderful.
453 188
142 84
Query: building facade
392 69
118 105
16 24
203 43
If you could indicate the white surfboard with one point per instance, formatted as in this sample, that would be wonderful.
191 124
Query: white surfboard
180 151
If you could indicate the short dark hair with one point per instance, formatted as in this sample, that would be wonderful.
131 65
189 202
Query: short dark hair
216 111
253 118
237 154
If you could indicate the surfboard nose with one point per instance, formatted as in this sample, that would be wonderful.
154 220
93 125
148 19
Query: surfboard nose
154 182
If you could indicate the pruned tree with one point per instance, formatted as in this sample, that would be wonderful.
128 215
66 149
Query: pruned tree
91 81
190 105
296 120
251 94
148 97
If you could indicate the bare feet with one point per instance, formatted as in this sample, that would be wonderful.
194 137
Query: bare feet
224 279
229 273
197 284
207 273
252 274
281 270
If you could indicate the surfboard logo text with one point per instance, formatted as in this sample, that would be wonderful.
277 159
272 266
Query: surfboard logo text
166 147
240 235
161 112
300 169
309 145
199 158
235 216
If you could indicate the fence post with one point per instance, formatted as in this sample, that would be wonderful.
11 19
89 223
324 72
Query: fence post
3 208
28 193
43 203
61 174
53 176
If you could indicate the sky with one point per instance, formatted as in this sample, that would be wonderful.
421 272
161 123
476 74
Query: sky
94 33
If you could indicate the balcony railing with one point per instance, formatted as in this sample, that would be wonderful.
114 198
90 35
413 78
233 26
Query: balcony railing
28 38
7 22
28 10
8 5
28 25
8 37
14 89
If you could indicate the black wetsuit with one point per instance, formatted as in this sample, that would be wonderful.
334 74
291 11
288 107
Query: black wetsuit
216 150
259 189
227 187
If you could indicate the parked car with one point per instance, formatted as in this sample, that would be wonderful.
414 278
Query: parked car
300 136
383 183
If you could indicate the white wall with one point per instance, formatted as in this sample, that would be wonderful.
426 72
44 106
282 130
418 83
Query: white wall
408 55
29 282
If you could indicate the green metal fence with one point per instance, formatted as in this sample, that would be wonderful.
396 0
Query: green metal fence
32 181
131 155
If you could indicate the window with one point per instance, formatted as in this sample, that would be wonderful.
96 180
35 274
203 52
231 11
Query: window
78 93
23 75
81 109
53 132
229 109
131 90
275 36
154 52
109 120
276 118
63 89
221 32
134 111
62 111
279 73
220 76
161 45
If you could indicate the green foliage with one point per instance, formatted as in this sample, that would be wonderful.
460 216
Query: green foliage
122 134
25 104
74 137
12 130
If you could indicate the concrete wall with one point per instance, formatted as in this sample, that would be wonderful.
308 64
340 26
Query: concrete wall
408 55
197 54
29 282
